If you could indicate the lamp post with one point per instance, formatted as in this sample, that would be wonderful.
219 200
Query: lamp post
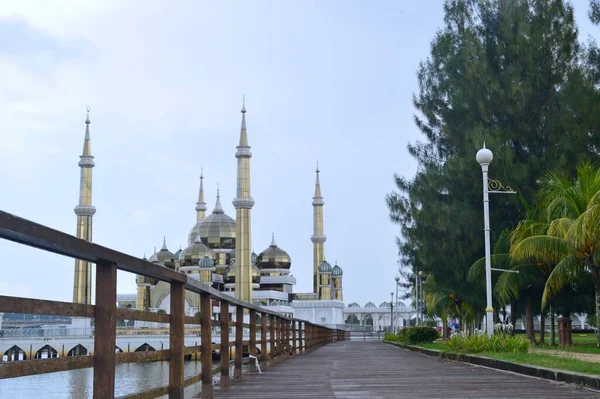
392 312
397 278
485 157
417 298
421 298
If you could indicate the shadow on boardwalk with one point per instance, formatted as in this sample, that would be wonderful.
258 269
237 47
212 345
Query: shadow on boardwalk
374 370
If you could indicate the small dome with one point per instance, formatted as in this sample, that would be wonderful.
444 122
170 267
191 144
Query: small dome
337 271
179 251
253 258
384 305
217 230
192 255
370 305
206 263
165 257
325 267
354 305
273 258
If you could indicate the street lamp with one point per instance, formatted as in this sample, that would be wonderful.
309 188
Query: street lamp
485 157
421 298
392 312
397 278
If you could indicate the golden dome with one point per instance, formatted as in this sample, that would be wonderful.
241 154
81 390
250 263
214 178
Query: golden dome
273 258
218 230
231 270
192 255
165 257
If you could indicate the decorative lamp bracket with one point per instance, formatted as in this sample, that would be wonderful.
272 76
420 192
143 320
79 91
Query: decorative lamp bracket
495 187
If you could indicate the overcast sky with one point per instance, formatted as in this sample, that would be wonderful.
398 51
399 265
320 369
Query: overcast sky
327 80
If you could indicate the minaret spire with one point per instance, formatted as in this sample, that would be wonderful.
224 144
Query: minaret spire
201 204
218 208
318 238
243 204
82 284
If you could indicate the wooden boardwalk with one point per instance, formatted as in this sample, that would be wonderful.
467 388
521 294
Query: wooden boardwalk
374 370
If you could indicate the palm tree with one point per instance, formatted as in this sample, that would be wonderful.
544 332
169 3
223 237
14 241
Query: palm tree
573 235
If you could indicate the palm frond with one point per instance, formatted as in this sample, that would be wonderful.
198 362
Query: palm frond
542 248
566 271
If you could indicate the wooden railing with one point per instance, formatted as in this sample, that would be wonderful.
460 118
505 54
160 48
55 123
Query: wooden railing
280 337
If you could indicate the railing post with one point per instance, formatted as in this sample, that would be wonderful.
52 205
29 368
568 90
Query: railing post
252 343
176 340
239 341
294 342
263 337
206 345
279 340
300 343
105 315
224 382
286 338
272 353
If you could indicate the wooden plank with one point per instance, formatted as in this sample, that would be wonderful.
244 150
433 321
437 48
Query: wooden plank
263 336
294 338
35 235
239 336
105 334
12 304
224 348
271 336
206 354
252 341
176 340
130 314
188 350
351 369
134 357
192 320
300 343
149 394
42 366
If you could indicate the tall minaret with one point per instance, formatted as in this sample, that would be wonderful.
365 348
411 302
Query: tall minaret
243 204
201 205
82 285
318 238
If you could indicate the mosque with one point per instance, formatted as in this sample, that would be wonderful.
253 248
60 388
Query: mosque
219 254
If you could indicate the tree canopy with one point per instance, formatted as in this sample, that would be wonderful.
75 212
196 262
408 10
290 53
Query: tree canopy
511 74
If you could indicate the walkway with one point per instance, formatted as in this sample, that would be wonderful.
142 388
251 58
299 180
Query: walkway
374 370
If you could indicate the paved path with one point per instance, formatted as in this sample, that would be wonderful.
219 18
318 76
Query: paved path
374 370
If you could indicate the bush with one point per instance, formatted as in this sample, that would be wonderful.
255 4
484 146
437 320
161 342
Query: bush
482 343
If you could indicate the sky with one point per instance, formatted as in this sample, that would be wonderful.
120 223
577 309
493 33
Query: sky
327 80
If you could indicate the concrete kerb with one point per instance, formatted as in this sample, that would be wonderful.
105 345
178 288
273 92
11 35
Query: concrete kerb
532 371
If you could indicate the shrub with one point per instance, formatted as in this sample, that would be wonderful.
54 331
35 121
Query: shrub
418 335
482 343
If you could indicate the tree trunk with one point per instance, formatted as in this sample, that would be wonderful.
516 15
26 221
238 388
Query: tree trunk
552 327
597 315
513 317
542 328
596 280
529 319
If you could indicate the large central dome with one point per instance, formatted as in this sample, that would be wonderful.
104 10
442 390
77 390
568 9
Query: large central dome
217 231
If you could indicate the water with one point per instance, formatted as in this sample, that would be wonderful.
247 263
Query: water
77 384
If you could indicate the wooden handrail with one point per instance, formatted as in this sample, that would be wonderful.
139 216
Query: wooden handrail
280 335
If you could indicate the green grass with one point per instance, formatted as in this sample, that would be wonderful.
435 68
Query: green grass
585 342
549 361
582 343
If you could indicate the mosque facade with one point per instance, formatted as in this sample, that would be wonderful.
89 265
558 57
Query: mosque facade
218 253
